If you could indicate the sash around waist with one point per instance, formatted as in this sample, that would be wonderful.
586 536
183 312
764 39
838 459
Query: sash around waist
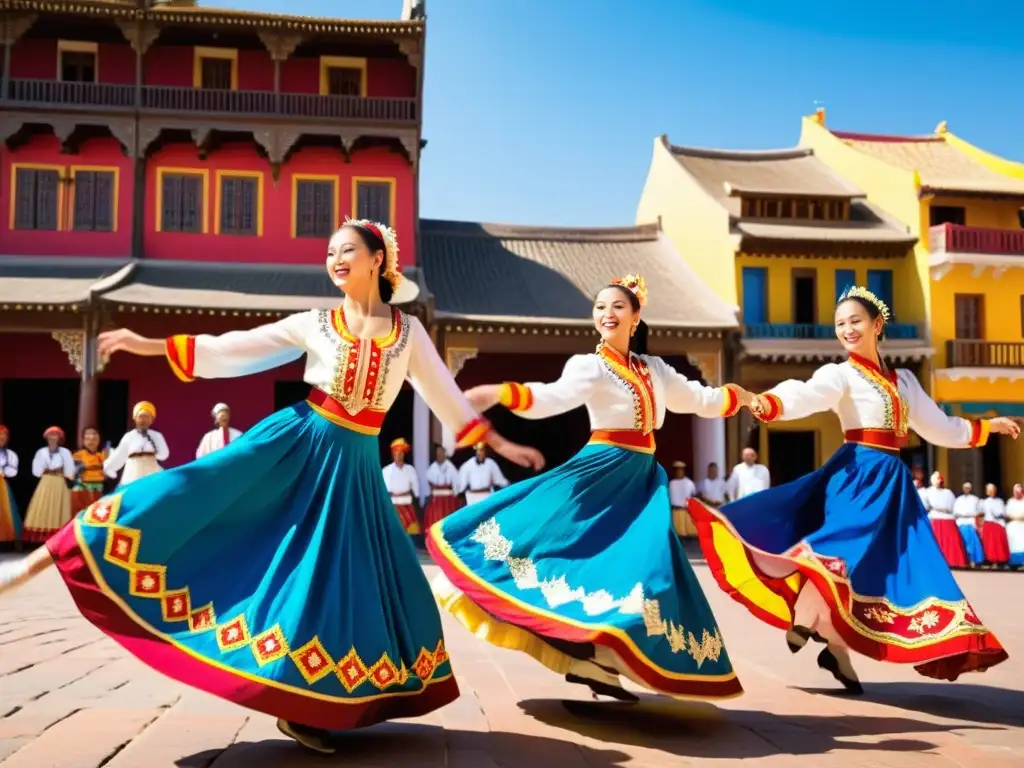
627 439
367 422
883 439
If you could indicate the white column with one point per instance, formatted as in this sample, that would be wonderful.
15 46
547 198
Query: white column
708 446
420 438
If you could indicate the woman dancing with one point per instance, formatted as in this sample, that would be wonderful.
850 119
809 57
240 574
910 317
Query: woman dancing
274 572
580 567
846 555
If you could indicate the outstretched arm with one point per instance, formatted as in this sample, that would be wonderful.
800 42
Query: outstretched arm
931 423
794 399
539 400
685 396
117 458
237 353
433 381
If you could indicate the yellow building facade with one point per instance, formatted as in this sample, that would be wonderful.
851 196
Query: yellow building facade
964 208
779 235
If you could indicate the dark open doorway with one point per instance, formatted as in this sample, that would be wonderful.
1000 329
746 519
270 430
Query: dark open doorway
791 454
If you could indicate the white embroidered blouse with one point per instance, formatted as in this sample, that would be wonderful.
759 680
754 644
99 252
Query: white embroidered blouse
866 398
363 376
619 395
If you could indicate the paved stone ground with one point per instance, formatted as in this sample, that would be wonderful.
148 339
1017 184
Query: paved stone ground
70 698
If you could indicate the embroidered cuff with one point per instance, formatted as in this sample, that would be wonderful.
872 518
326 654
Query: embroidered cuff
731 404
181 355
774 410
980 430
473 432
515 397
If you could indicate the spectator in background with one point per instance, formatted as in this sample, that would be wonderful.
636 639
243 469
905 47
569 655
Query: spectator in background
10 519
939 502
223 433
713 489
680 490
404 486
141 450
993 528
480 476
966 510
748 476
1015 526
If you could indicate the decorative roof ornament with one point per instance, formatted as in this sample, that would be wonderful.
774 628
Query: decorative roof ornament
636 285
857 292
387 236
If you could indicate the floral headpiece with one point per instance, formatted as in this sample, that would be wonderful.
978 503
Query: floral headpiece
636 285
863 293
387 236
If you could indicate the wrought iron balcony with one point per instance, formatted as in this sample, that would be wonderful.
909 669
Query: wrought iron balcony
969 353
817 331
159 98
953 238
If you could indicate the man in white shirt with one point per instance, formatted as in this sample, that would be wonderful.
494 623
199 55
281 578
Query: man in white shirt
140 450
479 476
443 482
223 435
404 486
748 476
680 490
713 490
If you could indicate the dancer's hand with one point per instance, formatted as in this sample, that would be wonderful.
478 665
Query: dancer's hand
522 455
123 340
1004 426
758 404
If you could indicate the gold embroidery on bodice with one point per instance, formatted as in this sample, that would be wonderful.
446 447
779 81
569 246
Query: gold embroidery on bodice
363 365
635 377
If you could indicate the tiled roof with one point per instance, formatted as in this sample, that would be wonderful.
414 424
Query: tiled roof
940 165
535 274
785 172
727 175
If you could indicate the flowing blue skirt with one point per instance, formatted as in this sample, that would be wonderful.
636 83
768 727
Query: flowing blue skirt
273 573
581 558
856 531
972 543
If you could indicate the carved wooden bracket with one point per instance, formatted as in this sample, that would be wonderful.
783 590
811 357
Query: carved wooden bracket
277 144
72 344
148 133
10 126
457 357
62 129
710 366
201 137
412 52
124 132
15 25
139 34
280 45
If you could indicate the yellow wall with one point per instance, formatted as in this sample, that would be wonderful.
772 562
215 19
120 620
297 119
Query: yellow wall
780 284
694 222
828 439
998 164
994 214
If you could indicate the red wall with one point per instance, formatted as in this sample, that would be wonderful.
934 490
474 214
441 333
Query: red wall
34 58
105 152
277 244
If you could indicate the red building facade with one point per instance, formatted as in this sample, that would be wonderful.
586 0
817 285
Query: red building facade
133 134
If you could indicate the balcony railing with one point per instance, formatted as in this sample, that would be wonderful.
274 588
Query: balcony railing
817 331
962 353
952 238
161 98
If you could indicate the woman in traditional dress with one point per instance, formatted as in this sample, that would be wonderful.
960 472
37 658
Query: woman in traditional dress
88 486
993 528
845 554
443 479
939 503
1015 526
10 520
274 572
581 567
50 506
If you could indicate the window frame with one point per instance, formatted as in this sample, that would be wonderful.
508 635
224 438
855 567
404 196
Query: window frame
78 46
342 62
204 174
115 172
61 188
392 181
219 177
804 273
200 52
334 181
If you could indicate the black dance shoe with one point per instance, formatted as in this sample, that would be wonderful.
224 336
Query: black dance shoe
315 739
828 661
604 689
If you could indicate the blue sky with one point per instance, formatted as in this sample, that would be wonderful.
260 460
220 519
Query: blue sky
545 111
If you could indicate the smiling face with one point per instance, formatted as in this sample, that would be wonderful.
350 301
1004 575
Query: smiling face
350 263
91 439
614 316
855 329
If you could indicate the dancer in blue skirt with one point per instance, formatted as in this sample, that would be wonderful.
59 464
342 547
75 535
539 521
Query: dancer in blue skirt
580 567
846 554
274 572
